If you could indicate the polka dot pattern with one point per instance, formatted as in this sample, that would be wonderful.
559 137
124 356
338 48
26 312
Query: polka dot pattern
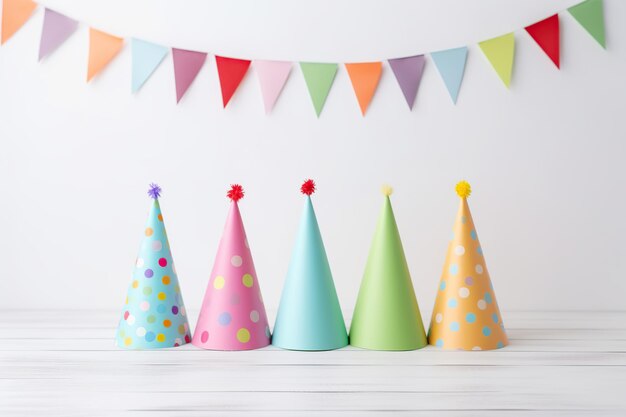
466 315
219 282
151 318
243 335
247 280
234 318
224 319
236 261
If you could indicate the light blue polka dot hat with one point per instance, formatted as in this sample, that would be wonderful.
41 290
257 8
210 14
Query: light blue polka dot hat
154 314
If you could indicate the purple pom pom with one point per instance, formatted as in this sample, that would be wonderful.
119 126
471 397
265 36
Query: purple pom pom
154 191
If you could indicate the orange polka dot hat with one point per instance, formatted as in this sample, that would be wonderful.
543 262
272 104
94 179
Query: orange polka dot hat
466 314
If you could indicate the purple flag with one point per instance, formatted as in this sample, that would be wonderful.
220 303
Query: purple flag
408 72
187 64
56 29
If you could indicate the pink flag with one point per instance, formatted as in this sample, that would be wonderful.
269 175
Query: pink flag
272 77
187 64
56 29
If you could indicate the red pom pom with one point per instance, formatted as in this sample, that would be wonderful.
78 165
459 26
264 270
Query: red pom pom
235 193
308 187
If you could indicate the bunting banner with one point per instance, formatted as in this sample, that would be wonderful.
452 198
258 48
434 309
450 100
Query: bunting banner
56 29
590 15
272 78
546 34
231 71
408 72
187 65
102 49
451 66
319 77
500 52
146 57
14 14
364 77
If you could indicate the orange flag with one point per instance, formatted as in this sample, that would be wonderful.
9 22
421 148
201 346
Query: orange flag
364 77
102 49
14 14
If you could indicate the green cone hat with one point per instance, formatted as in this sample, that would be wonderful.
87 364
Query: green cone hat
386 316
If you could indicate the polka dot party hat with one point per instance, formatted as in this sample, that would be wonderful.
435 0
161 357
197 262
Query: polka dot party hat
386 316
466 315
309 316
233 315
154 314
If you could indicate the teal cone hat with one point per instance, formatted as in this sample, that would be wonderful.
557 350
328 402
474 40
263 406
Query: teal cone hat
309 316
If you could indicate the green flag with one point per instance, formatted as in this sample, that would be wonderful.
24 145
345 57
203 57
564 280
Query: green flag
590 15
319 78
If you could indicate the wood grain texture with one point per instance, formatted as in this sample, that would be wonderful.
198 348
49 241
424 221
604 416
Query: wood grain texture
64 363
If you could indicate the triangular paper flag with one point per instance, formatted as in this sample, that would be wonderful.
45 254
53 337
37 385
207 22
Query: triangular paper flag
546 34
231 71
364 77
56 29
500 52
14 14
451 66
187 64
590 15
102 49
146 58
408 72
319 78
272 77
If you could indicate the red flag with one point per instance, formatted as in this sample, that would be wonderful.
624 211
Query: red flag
231 71
546 34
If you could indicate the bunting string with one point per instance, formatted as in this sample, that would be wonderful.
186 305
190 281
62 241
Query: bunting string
319 76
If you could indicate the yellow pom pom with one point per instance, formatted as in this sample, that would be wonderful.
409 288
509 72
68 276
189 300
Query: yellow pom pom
387 190
463 189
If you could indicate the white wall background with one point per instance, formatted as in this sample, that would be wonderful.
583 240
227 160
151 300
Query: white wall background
546 158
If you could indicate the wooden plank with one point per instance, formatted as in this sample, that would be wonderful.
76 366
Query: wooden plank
57 365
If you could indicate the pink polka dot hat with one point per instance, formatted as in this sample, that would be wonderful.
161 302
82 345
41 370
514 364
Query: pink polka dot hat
233 315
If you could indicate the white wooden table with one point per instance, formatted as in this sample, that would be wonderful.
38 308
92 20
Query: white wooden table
64 363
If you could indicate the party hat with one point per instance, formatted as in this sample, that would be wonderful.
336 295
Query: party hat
309 316
233 315
154 314
386 316
466 315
